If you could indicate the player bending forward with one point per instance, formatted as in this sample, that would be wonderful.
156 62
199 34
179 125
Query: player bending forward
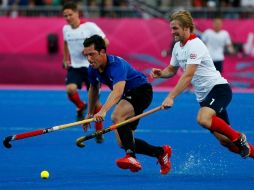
212 90
131 93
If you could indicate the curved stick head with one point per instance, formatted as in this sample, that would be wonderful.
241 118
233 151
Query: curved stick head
6 142
80 143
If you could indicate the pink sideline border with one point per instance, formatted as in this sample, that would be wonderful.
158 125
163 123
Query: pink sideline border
104 88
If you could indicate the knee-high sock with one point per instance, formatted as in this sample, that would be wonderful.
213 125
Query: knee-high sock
220 126
98 125
235 149
76 100
143 147
232 148
224 115
126 136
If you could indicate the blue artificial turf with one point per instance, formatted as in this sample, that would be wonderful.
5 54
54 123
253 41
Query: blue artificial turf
198 161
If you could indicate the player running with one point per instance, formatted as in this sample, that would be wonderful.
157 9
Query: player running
131 94
74 34
212 90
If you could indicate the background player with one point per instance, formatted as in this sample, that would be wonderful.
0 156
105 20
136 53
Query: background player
217 39
74 34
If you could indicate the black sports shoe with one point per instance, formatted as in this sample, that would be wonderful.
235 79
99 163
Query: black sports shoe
243 146
99 139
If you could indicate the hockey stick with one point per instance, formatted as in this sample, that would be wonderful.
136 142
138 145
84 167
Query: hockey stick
6 141
80 140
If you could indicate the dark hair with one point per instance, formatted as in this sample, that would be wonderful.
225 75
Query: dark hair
70 5
97 41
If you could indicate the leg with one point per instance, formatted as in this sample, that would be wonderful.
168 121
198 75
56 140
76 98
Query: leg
224 133
224 141
73 96
163 153
124 134
231 146
213 116
74 81
98 125
125 137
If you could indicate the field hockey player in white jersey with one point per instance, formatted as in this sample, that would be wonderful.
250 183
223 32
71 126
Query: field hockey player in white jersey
76 64
212 90
216 40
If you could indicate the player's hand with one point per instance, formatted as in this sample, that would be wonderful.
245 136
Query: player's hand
156 73
86 126
99 117
66 65
167 103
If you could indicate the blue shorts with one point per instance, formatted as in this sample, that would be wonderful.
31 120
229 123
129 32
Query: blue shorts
218 65
218 99
77 76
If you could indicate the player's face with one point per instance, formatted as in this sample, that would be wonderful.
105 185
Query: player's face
71 16
217 25
94 57
177 31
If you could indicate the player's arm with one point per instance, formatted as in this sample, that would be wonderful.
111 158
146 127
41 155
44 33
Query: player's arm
184 81
181 85
228 43
66 56
230 48
93 95
114 96
167 72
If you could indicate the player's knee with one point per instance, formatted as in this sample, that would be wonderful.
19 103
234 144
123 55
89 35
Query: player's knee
113 118
204 122
71 89
116 118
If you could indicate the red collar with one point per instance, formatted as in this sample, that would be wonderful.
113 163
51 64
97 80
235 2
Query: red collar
82 21
191 37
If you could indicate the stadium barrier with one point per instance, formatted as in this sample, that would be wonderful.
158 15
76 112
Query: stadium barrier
27 58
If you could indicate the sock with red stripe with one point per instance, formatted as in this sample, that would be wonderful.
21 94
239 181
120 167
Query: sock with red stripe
220 126
98 125
76 100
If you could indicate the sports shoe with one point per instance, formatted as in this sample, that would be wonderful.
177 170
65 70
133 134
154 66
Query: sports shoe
163 159
81 112
243 146
99 139
129 162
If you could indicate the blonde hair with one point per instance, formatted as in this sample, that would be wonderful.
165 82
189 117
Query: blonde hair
184 18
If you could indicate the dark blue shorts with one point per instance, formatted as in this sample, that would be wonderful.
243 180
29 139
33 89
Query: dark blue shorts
77 76
140 98
218 98
218 65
